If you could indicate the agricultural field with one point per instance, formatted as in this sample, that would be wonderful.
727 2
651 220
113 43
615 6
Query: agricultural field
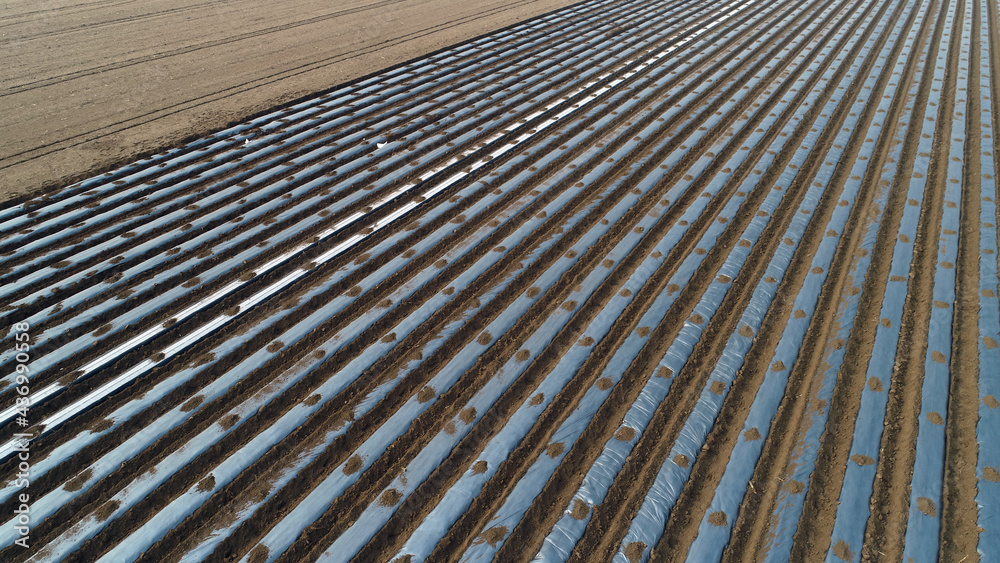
89 85
629 281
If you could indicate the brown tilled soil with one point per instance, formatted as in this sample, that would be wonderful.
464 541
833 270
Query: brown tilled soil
86 86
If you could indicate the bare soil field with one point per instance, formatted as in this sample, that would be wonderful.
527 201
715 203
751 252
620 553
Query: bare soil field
627 281
88 85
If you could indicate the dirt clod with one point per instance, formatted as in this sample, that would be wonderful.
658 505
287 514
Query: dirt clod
862 459
258 554
77 483
106 510
353 464
390 498
102 425
206 484
718 518
494 535
843 551
634 551
468 415
229 421
625 434
426 393
580 509
192 403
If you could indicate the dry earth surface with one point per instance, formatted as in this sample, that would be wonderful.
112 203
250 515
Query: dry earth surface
86 85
